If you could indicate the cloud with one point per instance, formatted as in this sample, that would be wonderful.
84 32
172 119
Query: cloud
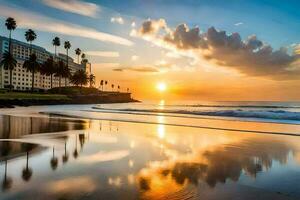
102 156
148 69
152 26
43 23
74 6
109 54
252 56
134 58
133 24
118 20
80 184
239 24
108 65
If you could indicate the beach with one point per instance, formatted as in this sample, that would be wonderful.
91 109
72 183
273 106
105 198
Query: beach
93 151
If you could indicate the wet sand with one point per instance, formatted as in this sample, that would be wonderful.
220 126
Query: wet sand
79 154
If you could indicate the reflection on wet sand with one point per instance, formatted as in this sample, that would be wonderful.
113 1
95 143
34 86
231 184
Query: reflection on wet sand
14 126
118 160
10 150
218 165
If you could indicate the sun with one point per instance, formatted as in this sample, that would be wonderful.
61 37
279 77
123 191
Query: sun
161 86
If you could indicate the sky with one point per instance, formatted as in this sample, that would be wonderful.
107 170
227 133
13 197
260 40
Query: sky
208 50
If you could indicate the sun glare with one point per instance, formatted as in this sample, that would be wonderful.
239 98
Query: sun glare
161 87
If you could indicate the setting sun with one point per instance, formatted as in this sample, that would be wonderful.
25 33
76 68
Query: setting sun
161 86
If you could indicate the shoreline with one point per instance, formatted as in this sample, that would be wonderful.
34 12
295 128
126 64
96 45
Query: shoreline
72 99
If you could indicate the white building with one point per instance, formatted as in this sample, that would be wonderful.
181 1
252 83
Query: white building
21 79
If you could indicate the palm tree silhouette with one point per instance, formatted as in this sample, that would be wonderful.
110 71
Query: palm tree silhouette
105 83
60 70
7 181
78 52
67 46
79 78
75 153
9 63
54 160
81 140
101 84
92 80
5 150
127 90
27 171
65 157
66 73
119 88
48 68
32 65
30 36
56 43
112 87
82 56
11 25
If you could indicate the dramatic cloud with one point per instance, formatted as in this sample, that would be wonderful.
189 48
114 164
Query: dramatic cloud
251 56
43 23
149 69
118 20
152 26
108 54
74 6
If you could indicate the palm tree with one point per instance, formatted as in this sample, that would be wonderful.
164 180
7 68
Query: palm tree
9 63
79 78
92 80
105 83
83 56
30 36
27 171
7 181
54 160
66 74
75 153
67 46
49 68
10 25
127 90
32 65
119 88
65 157
101 84
56 43
112 87
78 52
60 70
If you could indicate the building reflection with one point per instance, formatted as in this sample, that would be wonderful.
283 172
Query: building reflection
14 126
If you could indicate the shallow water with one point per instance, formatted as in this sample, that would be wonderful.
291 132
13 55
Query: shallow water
122 156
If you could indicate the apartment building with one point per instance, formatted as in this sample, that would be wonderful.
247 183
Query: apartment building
21 79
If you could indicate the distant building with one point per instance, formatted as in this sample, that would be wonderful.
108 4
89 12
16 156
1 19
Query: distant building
21 79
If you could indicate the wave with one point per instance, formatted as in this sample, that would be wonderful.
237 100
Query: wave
239 113
170 124
234 106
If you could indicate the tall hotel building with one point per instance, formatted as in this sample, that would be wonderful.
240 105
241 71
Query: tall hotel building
21 79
